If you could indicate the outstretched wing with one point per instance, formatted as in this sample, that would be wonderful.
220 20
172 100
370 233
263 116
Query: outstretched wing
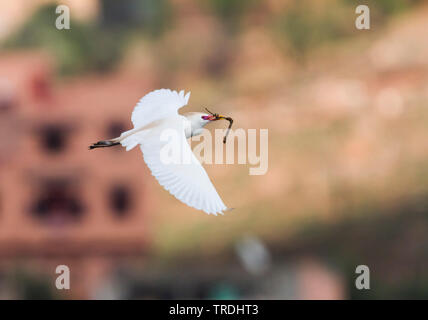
176 168
158 104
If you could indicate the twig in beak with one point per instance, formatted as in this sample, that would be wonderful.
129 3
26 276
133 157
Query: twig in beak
228 128
213 114
218 117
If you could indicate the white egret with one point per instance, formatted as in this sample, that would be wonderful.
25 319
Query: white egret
154 113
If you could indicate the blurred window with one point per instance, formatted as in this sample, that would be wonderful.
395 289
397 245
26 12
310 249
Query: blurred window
120 200
57 203
40 86
115 128
8 95
6 104
53 138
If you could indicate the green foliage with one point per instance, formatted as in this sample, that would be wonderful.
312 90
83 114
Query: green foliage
375 236
156 16
304 29
91 47
32 286
386 7
151 17
231 11
81 48
303 26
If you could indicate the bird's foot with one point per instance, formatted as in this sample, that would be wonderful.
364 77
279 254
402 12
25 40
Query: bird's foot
103 144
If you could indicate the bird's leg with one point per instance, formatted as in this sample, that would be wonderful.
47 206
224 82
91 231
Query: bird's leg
126 134
104 144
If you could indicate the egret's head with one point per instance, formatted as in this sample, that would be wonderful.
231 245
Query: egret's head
203 118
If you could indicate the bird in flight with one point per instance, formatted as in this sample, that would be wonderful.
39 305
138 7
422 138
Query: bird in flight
156 112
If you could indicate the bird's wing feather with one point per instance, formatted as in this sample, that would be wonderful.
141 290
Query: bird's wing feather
187 181
158 104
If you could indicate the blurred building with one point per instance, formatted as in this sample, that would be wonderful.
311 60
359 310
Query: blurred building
59 202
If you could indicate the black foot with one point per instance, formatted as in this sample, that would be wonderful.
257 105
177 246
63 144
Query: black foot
103 144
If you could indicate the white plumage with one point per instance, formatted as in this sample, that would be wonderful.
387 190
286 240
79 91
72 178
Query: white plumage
188 182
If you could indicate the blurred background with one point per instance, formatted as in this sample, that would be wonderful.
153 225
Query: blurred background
347 183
